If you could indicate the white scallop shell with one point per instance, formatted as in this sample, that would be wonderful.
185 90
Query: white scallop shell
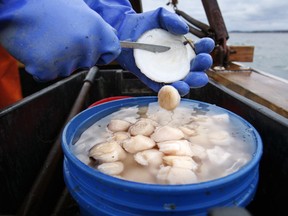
164 67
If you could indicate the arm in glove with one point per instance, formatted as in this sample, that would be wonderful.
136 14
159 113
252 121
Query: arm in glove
130 26
53 38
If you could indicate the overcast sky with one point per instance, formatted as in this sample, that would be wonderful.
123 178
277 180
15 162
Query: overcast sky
238 15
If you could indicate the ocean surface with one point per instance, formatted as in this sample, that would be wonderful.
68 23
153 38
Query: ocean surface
270 51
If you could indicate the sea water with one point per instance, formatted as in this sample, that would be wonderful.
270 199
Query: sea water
270 51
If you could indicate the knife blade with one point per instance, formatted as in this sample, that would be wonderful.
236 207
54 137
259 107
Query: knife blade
148 47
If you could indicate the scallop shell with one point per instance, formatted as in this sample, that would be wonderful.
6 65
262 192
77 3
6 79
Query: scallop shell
164 67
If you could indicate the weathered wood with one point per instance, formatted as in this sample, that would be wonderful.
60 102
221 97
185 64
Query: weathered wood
263 89
236 53
241 53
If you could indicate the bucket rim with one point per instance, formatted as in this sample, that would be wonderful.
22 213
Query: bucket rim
118 182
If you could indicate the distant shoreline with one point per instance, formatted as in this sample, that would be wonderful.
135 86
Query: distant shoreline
260 31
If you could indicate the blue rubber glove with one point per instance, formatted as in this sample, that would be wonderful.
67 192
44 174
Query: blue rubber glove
55 37
130 26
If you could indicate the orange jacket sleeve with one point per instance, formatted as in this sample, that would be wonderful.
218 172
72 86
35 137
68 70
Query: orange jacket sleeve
10 85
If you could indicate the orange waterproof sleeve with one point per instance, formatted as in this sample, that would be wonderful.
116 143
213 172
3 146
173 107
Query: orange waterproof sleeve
10 85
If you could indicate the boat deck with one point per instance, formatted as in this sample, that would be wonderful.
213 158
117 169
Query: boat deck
46 112
259 87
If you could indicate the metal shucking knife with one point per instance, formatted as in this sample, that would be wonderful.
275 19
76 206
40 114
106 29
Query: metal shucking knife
143 46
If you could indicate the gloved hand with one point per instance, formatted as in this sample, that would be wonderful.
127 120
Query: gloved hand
130 26
53 38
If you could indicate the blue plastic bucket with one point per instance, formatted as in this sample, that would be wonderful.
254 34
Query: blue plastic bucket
99 194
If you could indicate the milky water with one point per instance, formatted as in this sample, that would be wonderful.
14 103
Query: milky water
270 51
219 158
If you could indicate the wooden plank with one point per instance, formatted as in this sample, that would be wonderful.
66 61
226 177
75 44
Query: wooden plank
241 53
265 90
236 53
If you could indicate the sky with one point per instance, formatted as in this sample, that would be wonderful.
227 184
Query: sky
245 15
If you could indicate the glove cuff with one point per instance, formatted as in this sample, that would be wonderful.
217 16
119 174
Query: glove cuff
112 11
